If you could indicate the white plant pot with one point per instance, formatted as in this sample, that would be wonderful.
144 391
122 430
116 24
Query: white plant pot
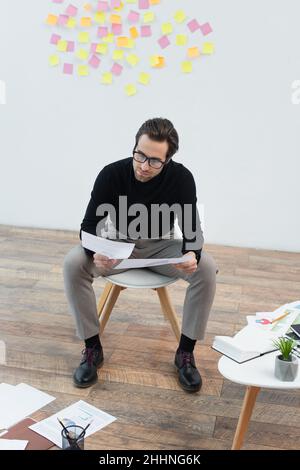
286 370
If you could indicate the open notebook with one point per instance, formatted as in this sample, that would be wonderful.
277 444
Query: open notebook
247 344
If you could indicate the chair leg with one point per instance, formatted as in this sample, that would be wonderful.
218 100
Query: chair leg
104 296
168 310
109 305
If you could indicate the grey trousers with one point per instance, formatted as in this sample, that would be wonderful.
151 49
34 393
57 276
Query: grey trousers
80 271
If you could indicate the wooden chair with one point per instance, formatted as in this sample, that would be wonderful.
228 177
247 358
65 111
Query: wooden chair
137 279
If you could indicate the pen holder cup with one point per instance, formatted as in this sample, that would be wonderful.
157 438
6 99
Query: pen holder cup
73 438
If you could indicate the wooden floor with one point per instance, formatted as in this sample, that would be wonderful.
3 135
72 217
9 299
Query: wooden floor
138 383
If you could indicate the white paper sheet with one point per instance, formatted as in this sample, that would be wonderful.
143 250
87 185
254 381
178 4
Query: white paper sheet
19 402
143 263
12 444
109 248
80 413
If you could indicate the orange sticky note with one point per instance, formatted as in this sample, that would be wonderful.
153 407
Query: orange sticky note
122 41
154 2
133 32
157 61
86 21
52 20
193 52
115 19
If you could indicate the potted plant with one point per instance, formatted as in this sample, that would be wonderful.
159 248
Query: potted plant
286 363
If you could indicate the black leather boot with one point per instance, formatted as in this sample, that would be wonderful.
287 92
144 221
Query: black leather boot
86 373
188 374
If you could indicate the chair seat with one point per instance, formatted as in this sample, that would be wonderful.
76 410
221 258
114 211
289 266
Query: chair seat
140 279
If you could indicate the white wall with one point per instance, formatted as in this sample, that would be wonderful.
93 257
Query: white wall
239 130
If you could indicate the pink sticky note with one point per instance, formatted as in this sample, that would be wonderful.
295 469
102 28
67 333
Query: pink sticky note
94 61
102 31
146 31
115 3
143 4
55 38
93 47
133 16
205 29
62 19
164 42
68 69
71 10
116 69
70 46
102 6
116 29
193 25
57 1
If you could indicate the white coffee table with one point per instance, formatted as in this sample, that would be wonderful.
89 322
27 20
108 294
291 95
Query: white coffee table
255 374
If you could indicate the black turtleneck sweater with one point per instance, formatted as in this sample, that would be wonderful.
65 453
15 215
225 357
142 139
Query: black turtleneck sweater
173 185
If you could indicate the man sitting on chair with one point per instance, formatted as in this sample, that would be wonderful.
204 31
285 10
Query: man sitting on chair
148 180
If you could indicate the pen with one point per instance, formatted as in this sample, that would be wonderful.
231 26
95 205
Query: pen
83 431
65 429
279 318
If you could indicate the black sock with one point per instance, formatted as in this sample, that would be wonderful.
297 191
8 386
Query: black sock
93 342
186 344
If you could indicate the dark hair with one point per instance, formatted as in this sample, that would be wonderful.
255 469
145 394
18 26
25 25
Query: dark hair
160 129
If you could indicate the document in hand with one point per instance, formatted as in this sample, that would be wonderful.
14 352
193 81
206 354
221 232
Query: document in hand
109 248
247 344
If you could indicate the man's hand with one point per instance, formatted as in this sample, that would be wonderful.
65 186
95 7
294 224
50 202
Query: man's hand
189 266
103 262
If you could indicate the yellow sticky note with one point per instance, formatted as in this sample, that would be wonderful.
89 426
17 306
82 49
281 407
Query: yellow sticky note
133 32
119 8
131 43
118 54
130 1
62 45
115 19
86 21
166 28
122 41
82 54
106 78
109 38
87 6
83 37
101 48
83 70
148 17
154 60
52 20
100 17
132 59
154 2
193 52
208 48
130 89
186 66
179 16
144 78
53 60
71 23
181 39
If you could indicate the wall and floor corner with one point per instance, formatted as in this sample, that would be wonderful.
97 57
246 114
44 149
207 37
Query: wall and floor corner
237 120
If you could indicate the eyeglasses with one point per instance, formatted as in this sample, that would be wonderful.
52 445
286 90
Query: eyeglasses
153 162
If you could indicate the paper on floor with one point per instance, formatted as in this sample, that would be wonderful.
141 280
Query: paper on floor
80 413
12 444
19 402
